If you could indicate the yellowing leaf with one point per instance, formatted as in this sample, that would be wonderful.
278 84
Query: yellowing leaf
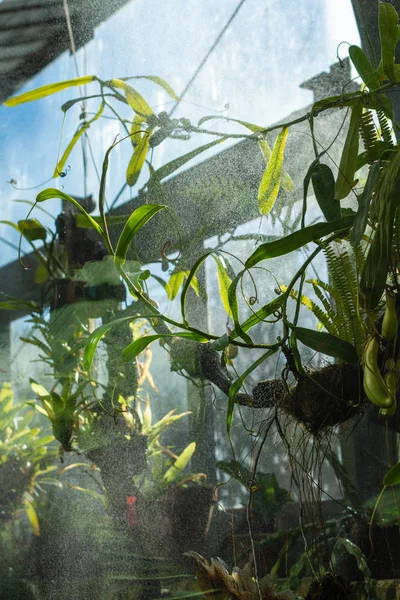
134 99
271 180
77 136
137 160
287 181
32 516
137 125
224 281
47 90
174 284
161 82
180 463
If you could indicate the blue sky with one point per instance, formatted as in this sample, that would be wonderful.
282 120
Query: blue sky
253 74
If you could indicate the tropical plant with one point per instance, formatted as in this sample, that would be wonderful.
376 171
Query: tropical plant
25 460
359 305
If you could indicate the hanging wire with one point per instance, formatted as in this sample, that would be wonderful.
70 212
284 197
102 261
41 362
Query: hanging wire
83 104
206 57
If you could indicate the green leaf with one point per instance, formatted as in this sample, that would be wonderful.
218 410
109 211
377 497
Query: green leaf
134 99
323 183
136 221
91 493
333 101
364 68
180 463
135 348
271 180
320 341
174 284
224 282
188 282
388 25
262 313
97 335
251 126
47 90
234 307
236 385
161 82
175 164
78 134
286 180
51 193
360 220
137 160
348 161
32 229
39 389
18 305
298 239
392 477
41 274
375 270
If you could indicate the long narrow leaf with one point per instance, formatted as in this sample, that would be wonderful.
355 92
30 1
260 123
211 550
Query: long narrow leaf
348 161
234 307
134 349
47 90
97 335
162 83
298 239
224 282
51 193
364 68
134 99
137 160
323 183
392 477
286 180
75 139
320 341
136 221
174 284
32 516
388 23
188 282
360 220
262 313
271 180
175 164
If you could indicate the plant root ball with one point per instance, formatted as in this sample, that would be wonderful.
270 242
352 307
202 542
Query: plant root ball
322 399
327 397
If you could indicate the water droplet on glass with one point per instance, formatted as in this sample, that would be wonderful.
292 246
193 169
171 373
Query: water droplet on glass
62 187
63 174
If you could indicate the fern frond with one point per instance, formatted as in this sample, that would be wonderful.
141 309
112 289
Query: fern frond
343 269
369 135
386 131
314 308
